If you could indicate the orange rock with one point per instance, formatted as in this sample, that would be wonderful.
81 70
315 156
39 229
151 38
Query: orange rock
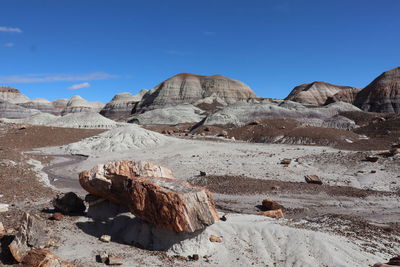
277 214
43 258
161 200
215 239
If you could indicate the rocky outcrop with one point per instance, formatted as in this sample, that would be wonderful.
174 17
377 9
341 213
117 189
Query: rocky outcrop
345 95
152 194
31 235
190 88
43 258
382 94
12 95
10 110
42 105
122 105
77 104
316 93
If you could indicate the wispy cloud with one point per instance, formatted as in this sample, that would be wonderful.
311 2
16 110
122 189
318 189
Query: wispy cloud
41 78
79 86
177 52
10 29
9 44
209 33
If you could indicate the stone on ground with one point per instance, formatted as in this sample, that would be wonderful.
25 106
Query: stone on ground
69 203
152 194
43 258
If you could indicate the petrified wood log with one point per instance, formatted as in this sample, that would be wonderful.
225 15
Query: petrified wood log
152 194
43 258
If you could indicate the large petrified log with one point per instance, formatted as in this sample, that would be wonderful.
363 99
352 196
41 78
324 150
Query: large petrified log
31 235
152 194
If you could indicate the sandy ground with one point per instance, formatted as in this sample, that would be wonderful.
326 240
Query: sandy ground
329 225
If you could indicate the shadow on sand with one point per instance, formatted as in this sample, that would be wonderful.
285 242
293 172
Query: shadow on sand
107 218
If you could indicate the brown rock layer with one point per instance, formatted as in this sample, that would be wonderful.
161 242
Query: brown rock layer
345 95
382 94
316 93
152 194
190 88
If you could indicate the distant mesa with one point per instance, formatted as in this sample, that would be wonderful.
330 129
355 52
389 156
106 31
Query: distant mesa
12 95
382 94
42 105
186 88
317 93
122 105
78 104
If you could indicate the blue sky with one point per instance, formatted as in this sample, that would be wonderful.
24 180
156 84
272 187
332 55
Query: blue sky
97 48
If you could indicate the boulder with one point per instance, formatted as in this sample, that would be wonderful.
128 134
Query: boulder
152 194
215 239
122 105
69 203
382 94
43 258
31 235
12 95
190 88
313 179
315 93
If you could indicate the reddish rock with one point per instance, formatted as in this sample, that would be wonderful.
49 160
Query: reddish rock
271 205
313 179
57 217
152 194
276 214
43 258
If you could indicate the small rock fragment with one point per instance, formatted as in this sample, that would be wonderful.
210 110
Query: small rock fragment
114 260
215 239
313 179
203 173
271 205
57 217
276 214
2 230
223 218
3 207
286 162
103 257
105 238
194 257
371 158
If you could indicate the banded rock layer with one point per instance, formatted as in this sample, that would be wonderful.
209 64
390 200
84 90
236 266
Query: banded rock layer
316 93
122 105
78 104
12 95
190 88
382 94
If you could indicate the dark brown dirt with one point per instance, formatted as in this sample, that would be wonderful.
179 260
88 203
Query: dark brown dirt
24 137
239 185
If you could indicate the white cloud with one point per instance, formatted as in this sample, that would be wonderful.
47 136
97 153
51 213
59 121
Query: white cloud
79 86
9 44
40 78
10 29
